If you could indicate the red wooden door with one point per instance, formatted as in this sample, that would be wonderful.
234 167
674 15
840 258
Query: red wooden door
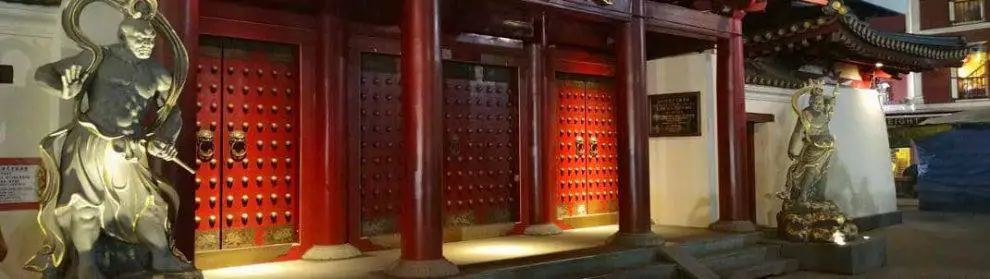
382 157
252 188
480 131
481 128
587 154
602 160
573 145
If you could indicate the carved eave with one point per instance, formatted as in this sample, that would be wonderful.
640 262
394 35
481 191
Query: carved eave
768 72
840 36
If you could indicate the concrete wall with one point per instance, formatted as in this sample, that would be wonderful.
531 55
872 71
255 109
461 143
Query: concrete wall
31 36
682 169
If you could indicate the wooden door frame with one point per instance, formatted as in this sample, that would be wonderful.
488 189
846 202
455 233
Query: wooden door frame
384 40
232 20
748 153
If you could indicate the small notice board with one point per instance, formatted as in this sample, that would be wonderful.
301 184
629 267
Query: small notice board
675 115
19 180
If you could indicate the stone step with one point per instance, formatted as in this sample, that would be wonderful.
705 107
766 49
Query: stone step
738 257
602 261
770 267
720 243
653 271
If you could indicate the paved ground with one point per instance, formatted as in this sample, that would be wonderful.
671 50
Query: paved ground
461 253
931 245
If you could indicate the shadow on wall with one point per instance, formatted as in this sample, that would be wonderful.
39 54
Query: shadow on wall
853 198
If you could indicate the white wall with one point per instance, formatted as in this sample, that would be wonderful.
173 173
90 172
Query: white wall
683 177
859 179
31 36
683 173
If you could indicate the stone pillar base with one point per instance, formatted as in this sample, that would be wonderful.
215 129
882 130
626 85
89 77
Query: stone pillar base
333 252
422 269
636 239
543 229
733 226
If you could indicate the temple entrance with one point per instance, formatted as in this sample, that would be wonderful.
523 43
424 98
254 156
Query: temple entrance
588 162
247 144
481 164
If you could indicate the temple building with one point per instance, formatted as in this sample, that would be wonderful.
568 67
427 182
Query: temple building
382 133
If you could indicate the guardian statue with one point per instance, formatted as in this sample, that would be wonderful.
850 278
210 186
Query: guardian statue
104 213
807 215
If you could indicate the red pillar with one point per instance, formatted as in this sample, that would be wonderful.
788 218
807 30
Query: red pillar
541 209
633 126
330 238
731 119
183 15
421 224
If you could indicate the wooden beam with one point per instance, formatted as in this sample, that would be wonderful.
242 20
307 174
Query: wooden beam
759 117
681 21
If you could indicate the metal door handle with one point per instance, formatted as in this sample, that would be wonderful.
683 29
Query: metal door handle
238 145
204 145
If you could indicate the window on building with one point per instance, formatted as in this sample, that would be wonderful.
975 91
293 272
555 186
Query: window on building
971 79
965 11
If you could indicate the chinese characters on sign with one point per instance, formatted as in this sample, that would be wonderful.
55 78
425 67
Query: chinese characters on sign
18 182
675 115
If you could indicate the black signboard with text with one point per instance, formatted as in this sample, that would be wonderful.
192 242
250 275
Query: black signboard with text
675 115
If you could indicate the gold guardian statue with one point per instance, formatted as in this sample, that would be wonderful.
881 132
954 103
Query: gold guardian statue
104 213
806 214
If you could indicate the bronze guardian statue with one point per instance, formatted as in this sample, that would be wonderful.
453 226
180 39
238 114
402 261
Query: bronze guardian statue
104 213
807 215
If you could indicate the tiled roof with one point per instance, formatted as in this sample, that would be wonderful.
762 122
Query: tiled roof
839 35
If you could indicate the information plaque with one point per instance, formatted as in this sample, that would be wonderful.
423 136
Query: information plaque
675 115
19 178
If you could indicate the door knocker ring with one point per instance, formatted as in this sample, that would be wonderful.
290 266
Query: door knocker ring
204 145
454 144
579 143
594 146
238 145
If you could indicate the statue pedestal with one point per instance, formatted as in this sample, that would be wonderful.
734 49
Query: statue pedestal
813 221
855 257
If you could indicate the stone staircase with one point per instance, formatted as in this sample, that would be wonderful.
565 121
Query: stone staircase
735 256
600 262
738 256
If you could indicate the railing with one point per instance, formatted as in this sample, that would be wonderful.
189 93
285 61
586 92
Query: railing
966 11
972 88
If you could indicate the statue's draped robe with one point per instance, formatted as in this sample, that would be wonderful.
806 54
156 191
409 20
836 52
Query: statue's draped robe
96 167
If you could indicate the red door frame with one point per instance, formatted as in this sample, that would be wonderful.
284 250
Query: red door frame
225 19
366 38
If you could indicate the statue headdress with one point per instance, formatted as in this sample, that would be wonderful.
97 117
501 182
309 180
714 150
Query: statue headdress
133 9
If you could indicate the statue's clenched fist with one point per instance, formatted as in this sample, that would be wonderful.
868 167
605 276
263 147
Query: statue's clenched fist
72 81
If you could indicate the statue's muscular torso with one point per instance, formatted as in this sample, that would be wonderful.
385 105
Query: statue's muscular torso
122 90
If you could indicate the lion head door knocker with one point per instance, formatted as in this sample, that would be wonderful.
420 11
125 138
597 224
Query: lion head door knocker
579 143
454 144
238 145
593 150
204 145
